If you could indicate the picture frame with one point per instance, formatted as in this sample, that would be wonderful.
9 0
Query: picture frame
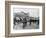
8 5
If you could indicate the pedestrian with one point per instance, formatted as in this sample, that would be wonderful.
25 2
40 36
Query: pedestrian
24 22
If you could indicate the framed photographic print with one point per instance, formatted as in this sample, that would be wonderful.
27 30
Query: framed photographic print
24 18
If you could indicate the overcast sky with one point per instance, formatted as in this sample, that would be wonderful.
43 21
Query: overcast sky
33 12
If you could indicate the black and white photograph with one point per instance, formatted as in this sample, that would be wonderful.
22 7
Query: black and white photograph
25 18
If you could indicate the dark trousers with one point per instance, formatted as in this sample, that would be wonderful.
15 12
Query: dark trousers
24 24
